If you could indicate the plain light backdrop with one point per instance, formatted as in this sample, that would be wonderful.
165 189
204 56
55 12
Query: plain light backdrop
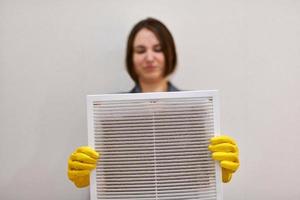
55 52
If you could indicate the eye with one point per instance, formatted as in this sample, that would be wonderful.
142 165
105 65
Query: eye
157 48
139 49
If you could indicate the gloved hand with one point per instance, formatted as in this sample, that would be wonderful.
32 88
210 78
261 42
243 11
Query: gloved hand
225 150
81 162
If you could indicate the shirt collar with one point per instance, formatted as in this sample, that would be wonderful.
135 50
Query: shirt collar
137 88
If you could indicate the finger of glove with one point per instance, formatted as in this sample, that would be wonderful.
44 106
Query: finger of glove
83 181
230 166
223 147
82 157
221 156
80 165
74 174
226 176
71 176
88 151
222 139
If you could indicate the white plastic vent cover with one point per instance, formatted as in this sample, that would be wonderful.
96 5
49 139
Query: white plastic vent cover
154 145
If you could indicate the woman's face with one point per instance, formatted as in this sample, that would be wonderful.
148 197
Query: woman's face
148 58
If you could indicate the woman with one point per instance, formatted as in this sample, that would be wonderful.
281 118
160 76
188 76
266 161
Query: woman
151 57
150 60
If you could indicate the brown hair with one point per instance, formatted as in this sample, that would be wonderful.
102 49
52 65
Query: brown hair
165 39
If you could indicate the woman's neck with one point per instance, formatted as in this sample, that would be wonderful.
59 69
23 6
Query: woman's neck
158 86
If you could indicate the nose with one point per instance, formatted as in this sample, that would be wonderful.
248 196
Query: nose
149 56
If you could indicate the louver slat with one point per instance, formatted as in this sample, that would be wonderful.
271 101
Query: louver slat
154 146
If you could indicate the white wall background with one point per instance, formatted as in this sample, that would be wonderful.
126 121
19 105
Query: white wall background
55 52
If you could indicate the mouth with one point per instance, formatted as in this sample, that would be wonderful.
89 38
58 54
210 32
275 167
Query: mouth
150 67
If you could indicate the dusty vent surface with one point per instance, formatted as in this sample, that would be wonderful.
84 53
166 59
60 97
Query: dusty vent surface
154 146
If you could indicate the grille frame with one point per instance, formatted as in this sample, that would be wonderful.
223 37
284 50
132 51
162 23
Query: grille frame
91 99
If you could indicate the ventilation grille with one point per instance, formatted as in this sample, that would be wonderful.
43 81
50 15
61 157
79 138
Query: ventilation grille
153 146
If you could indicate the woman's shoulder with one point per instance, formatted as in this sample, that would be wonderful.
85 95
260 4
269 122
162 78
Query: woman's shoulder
172 88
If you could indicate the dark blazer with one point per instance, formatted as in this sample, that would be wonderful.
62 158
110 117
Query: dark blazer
171 88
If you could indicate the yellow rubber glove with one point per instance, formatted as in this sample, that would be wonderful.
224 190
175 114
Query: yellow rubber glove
81 162
225 150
